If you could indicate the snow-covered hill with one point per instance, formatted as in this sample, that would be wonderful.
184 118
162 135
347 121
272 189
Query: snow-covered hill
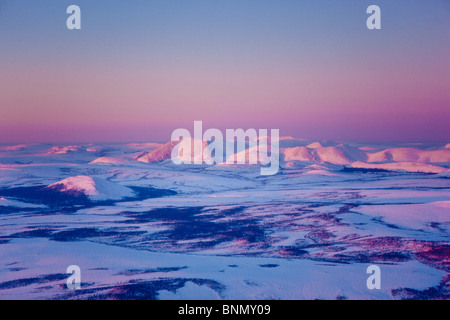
94 188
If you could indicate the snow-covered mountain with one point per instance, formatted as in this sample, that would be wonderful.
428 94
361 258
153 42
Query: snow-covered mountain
409 155
369 157
63 149
108 160
164 152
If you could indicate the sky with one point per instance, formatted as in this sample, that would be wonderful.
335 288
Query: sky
137 70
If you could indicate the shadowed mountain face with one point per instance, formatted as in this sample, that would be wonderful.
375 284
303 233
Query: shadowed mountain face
154 230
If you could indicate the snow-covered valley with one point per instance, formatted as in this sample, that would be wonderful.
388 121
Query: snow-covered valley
141 227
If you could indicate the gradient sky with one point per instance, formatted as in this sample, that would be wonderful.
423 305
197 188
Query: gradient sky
137 70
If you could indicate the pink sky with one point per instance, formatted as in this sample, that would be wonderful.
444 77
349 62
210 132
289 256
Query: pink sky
349 84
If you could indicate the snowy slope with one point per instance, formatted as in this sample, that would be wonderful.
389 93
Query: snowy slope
94 188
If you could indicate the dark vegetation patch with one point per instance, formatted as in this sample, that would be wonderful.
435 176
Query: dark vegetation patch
363 170
170 214
251 283
434 254
132 272
192 223
180 214
40 232
76 234
9 210
42 195
363 257
320 235
35 280
16 269
438 256
54 197
86 233
269 265
141 290
82 171
437 226
143 193
293 252
381 221
439 292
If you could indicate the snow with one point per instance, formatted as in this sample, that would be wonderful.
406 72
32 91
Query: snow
93 149
95 188
314 145
144 145
410 155
332 155
409 159
340 155
13 147
62 149
309 232
367 148
407 166
246 155
18 204
298 154
107 160
162 153
320 172
243 278
165 152
415 216
83 184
